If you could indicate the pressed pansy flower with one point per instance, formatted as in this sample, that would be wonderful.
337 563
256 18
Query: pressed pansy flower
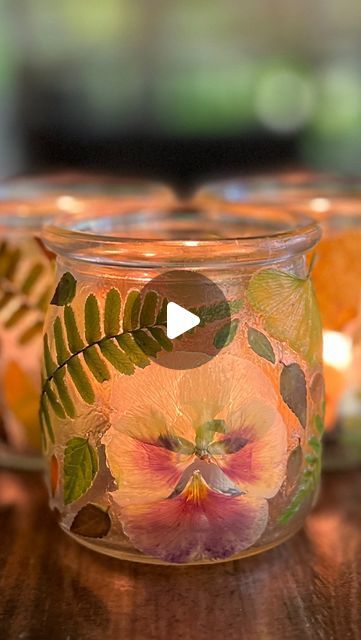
196 458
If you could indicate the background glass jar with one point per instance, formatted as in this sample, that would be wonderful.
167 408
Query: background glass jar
154 462
27 283
337 279
276 187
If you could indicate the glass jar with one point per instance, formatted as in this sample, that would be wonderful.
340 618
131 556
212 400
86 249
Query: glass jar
153 461
76 191
26 283
266 187
337 280
26 287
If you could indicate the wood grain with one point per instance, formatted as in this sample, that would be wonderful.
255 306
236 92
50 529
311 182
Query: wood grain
53 589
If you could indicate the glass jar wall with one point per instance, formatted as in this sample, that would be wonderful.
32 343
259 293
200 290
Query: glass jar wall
154 460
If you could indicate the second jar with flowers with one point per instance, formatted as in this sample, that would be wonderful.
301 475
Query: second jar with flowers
192 449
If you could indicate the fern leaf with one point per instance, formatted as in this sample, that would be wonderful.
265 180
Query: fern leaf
62 352
49 363
32 277
116 357
13 261
34 330
161 337
131 311
128 344
80 380
146 343
92 320
45 418
75 342
54 403
63 393
96 365
112 313
16 317
5 299
162 314
148 309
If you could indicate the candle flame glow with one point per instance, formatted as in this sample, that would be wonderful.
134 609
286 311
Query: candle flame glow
68 203
320 205
337 350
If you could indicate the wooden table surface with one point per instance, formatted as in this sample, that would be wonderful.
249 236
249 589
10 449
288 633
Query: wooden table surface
53 589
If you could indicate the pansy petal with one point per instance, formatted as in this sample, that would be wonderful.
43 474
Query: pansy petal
144 471
253 455
198 524
153 391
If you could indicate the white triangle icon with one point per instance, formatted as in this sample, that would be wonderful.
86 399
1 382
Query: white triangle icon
179 320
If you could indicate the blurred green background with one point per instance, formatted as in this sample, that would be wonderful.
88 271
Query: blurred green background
179 90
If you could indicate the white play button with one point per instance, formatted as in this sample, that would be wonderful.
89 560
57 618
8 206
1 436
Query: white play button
179 320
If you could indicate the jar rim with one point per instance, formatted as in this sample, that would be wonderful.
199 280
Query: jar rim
90 238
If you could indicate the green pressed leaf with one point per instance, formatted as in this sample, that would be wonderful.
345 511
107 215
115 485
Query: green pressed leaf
288 307
225 334
44 299
308 483
63 393
131 311
96 365
80 468
49 363
161 337
162 314
91 522
218 311
148 309
112 313
116 357
75 342
55 404
45 420
146 343
31 332
294 392
16 316
62 352
65 290
260 344
32 277
13 261
92 320
81 380
130 347
5 299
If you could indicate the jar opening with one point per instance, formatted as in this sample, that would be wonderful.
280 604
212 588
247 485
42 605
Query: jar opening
184 234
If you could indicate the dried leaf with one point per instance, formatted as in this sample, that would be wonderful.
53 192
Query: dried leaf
91 522
65 290
289 310
260 344
225 334
294 392
54 475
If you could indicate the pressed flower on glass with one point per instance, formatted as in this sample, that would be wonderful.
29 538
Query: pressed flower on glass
166 464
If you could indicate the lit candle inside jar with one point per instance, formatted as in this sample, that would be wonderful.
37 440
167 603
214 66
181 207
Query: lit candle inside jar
337 358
